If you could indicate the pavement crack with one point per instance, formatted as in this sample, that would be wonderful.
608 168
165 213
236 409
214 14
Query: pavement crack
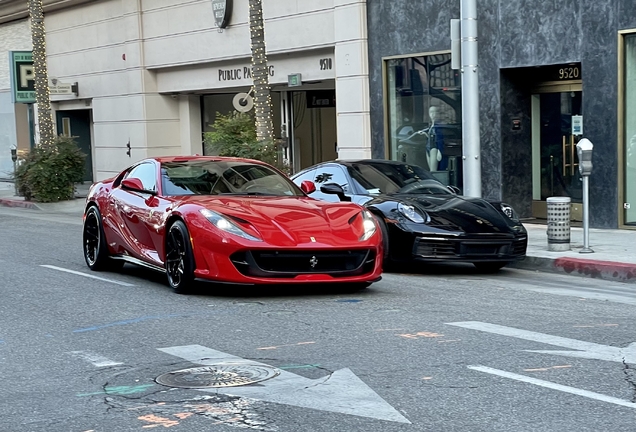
630 377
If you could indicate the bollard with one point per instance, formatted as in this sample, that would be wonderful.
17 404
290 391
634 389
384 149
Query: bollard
558 224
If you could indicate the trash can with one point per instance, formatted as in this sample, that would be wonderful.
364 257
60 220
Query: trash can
559 224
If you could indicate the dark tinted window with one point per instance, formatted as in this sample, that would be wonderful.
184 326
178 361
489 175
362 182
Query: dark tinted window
222 177
330 174
306 175
380 177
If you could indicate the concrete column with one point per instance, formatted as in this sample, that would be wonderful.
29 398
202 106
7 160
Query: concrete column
352 79
190 125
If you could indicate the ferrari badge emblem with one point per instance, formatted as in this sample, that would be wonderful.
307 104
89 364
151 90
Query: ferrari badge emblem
313 262
313 239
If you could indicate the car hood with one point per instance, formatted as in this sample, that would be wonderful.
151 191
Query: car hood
460 213
289 221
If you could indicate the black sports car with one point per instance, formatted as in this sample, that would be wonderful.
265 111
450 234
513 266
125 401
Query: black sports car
420 218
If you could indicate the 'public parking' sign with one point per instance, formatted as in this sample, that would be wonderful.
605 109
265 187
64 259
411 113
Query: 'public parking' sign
22 76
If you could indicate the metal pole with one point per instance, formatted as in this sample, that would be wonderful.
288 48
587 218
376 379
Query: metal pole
15 180
470 100
586 215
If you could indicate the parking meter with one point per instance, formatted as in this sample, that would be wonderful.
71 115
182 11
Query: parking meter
584 151
14 154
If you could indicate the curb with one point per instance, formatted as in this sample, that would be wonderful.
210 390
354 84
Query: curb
18 203
606 270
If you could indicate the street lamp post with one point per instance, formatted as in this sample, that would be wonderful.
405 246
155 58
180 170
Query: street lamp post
470 99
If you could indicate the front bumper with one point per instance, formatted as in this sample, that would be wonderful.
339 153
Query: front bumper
470 249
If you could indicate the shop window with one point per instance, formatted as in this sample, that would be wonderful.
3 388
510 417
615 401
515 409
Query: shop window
424 115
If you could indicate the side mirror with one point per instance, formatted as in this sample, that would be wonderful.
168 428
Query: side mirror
334 189
308 187
135 184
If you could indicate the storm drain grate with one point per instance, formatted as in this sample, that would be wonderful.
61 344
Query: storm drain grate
219 375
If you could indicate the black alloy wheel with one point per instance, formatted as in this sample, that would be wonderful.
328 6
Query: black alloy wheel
95 245
179 258
489 266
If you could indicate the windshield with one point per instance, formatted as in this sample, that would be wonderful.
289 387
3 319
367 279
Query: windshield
224 178
388 178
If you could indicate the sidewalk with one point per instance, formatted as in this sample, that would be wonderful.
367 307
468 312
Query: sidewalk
76 206
614 256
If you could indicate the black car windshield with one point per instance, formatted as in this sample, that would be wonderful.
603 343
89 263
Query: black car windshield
378 177
209 177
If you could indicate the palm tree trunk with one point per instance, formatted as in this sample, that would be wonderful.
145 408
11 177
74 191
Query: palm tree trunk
260 74
42 96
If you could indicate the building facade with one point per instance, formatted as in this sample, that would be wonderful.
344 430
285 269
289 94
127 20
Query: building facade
14 125
549 75
151 76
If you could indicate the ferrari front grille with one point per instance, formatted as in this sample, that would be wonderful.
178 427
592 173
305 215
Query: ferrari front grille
288 264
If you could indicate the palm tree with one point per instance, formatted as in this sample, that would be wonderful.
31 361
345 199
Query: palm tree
42 96
260 75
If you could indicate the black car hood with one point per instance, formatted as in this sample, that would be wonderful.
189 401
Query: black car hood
457 213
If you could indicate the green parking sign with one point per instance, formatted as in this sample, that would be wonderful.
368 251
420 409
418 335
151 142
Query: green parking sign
22 76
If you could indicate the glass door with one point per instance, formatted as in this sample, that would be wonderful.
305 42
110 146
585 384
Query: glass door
555 163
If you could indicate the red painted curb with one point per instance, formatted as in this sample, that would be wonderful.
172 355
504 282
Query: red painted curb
594 268
17 203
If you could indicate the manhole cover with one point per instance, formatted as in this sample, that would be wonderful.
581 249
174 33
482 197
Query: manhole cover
219 375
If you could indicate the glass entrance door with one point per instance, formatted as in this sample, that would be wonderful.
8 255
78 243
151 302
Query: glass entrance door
555 163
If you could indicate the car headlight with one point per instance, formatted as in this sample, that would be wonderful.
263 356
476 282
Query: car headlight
409 212
225 225
509 211
368 224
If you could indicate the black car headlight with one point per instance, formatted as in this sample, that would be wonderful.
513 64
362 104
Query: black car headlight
224 224
412 214
509 211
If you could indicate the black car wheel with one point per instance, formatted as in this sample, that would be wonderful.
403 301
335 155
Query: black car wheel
179 258
95 245
489 267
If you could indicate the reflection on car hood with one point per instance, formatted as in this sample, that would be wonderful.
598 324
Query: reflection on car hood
289 221
455 212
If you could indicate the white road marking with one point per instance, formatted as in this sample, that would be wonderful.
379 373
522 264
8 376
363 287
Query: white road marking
587 350
87 275
554 386
95 359
341 392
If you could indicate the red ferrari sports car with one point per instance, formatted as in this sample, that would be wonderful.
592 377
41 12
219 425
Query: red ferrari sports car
227 220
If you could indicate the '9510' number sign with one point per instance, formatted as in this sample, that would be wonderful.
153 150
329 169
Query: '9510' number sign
326 64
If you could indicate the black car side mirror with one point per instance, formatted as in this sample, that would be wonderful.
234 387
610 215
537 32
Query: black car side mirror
334 189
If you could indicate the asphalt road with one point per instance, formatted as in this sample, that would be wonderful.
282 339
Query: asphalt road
447 349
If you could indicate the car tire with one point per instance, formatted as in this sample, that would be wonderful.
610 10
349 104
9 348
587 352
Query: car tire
179 262
94 243
489 267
